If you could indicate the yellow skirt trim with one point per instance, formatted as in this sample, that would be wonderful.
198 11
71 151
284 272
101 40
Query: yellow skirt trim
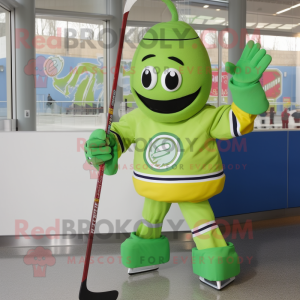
179 192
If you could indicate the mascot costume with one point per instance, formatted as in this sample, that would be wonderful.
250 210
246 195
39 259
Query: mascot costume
175 132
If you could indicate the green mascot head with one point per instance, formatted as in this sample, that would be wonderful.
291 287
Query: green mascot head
172 71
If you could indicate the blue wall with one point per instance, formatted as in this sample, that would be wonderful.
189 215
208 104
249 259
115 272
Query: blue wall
260 176
294 169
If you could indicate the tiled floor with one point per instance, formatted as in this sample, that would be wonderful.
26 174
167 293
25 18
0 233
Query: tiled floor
270 270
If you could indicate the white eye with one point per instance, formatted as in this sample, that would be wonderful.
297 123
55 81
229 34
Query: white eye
149 78
171 80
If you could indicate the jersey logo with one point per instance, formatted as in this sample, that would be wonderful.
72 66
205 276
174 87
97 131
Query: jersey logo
163 152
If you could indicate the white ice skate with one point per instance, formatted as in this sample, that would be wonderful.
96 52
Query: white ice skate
218 285
142 270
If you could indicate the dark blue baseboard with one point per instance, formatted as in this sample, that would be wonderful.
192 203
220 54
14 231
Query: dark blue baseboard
294 169
256 168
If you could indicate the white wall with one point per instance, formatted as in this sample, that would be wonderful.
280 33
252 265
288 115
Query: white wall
42 179
3 47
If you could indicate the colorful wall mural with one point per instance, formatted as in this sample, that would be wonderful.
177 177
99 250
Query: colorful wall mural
68 80
77 80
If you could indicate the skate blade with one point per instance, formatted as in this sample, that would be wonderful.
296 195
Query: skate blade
142 270
218 285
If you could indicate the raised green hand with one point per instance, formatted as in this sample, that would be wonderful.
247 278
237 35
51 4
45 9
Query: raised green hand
251 66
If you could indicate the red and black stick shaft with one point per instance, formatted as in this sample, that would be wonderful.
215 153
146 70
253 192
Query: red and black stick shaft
84 293
101 170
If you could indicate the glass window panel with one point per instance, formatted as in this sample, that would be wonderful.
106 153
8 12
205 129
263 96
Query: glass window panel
201 13
209 39
70 75
281 83
151 11
225 77
133 37
5 65
271 15
189 11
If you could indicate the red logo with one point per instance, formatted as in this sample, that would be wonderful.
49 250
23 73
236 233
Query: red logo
39 258
93 171
36 68
272 83
215 84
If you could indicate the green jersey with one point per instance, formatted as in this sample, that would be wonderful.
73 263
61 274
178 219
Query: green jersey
175 162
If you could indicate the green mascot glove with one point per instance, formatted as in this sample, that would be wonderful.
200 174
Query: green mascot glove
245 87
100 149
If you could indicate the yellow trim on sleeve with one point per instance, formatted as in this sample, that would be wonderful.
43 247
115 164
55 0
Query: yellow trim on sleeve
119 146
246 120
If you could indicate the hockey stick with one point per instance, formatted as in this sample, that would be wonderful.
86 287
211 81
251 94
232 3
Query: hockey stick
84 293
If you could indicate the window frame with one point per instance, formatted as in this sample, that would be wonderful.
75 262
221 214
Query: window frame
10 63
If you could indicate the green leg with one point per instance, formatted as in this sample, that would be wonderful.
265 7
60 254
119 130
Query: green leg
213 259
147 247
198 216
154 213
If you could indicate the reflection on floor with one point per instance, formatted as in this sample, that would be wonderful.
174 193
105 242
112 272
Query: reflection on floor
269 270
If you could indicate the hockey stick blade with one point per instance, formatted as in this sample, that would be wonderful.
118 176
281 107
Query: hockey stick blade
85 294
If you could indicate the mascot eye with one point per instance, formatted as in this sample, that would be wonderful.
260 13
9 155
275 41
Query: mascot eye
149 78
171 80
